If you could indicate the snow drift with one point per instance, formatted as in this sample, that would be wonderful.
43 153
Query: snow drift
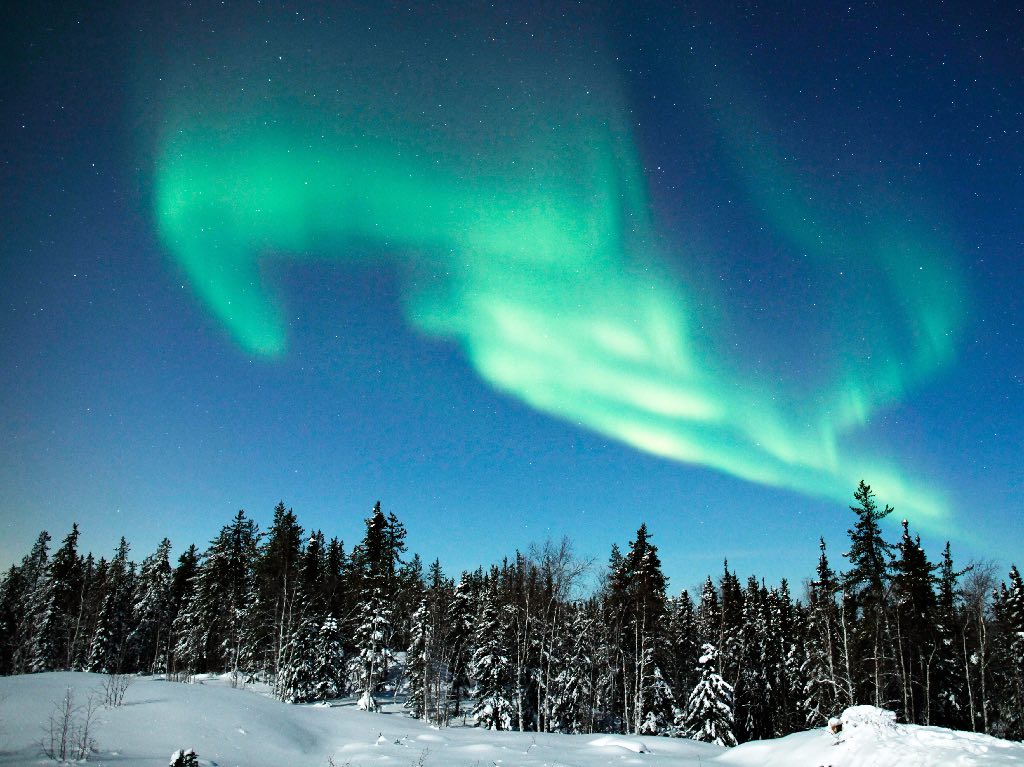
240 727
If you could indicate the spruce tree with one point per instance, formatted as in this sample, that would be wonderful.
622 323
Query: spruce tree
12 599
914 626
371 641
459 638
950 672
828 686
151 611
709 614
637 600
182 591
60 609
417 662
575 679
298 680
1008 659
34 584
494 707
682 648
213 630
107 653
330 661
867 584
708 715
277 578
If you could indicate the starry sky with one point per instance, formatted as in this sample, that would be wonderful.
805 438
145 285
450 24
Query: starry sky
520 272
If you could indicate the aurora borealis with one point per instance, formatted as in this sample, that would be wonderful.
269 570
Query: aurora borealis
543 264
754 247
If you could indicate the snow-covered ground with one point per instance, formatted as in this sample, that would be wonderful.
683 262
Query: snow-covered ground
229 727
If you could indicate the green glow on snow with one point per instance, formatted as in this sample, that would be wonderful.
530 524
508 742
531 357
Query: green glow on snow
545 269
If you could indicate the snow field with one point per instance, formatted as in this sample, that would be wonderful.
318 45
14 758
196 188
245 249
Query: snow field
243 728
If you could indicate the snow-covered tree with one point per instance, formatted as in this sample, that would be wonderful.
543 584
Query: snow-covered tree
329 670
32 585
708 716
151 611
494 707
277 576
371 641
1008 658
418 661
573 684
110 637
298 680
867 584
58 609
184 758
214 631
913 626
681 643
828 687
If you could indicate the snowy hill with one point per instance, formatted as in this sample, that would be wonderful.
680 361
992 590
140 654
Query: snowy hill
229 727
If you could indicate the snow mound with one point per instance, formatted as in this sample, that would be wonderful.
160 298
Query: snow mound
614 741
871 737
867 721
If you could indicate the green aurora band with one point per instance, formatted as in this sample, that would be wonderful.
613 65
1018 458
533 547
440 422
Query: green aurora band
529 243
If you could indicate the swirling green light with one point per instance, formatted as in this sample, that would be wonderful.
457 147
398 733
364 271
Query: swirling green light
545 269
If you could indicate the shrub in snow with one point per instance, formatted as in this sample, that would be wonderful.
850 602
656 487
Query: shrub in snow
867 721
184 758
367 702
69 731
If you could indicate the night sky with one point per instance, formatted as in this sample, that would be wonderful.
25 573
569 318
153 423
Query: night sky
519 272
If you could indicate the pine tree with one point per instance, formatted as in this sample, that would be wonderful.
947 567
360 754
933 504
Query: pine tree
1008 659
107 653
709 710
828 688
913 623
151 611
34 583
213 630
494 708
867 584
574 683
709 614
682 648
298 680
417 660
787 620
638 600
729 641
330 661
371 641
374 580
459 638
950 672
59 606
755 692
277 577
12 600
182 592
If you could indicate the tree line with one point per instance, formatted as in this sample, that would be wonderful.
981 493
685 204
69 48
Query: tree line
515 646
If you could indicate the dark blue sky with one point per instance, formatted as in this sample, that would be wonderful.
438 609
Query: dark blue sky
777 146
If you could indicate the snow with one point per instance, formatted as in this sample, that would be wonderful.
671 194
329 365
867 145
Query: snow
871 737
230 727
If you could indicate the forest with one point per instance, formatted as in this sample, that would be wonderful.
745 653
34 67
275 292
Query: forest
539 642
